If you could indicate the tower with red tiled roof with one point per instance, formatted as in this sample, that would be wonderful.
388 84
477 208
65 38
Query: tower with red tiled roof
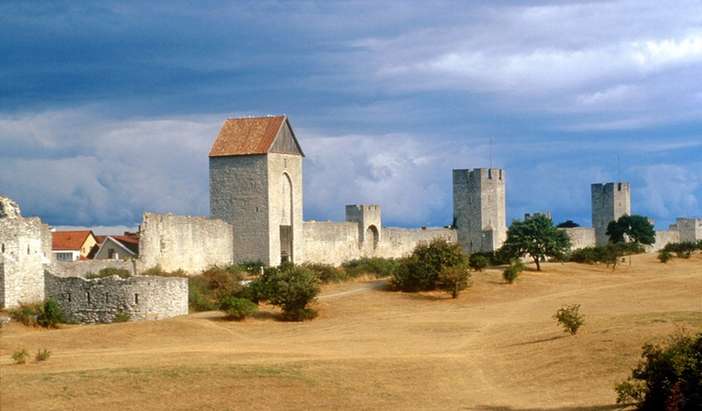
256 185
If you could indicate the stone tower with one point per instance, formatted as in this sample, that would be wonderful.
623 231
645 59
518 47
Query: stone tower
479 208
609 202
367 216
256 185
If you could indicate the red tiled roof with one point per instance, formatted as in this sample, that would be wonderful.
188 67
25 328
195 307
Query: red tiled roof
246 136
129 241
69 240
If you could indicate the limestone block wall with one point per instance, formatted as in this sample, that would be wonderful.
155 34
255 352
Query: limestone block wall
580 237
82 267
479 210
609 202
239 196
100 300
663 237
184 242
23 254
285 205
690 229
337 242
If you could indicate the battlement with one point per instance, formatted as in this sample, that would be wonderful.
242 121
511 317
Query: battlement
478 174
619 186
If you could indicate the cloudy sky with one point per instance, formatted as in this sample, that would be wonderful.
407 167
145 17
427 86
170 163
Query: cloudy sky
107 111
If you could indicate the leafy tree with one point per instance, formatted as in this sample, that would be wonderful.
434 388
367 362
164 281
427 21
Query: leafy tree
568 224
454 279
569 318
420 271
634 227
668 377
511 273
537 238
478 262
291 288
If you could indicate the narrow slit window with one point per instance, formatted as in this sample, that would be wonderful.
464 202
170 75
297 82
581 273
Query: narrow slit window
136 298
88 297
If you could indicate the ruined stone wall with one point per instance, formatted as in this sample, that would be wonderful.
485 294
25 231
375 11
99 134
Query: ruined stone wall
285 205
336 242
690 229
23 253
580 237
609 202
183 242
239 196
100 300
82 267
479 208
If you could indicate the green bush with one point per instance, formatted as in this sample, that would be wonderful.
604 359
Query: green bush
25 313
47 314
20 356
569 318
237 308
478 262
376 266
42 355
108 272
157 271
327 273
250 267
291 288
420 271
454 279
681 250
50 314
664 256
212 285
668 377
511 273
121 317
609 254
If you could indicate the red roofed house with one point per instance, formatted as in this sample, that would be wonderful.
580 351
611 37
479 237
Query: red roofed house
72 245
118 247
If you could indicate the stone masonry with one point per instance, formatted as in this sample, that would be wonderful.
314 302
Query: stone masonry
609 202
479 210
100 300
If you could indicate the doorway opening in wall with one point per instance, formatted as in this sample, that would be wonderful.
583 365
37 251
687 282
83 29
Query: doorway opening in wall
286 244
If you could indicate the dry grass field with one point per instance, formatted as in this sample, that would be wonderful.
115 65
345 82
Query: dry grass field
496 347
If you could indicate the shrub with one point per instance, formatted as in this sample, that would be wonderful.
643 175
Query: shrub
157 271
291 288
668 377
42 355
664 256
121 317
209 288
20 356
25 314
569 318
50 314
237 308
108 272
377 266
327 273
609 254
511 273
454 279
420 271
478 262
251 267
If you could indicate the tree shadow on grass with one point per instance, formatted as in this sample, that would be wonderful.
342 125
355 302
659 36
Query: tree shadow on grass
540 340
590 408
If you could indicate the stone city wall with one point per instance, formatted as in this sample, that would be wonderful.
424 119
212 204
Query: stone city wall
580 237
690 229
23 254
663 237
183 242
100 300
336 242
81 268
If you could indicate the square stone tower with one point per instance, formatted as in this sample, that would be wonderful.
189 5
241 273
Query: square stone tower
256 185
479 208
367 216
609 202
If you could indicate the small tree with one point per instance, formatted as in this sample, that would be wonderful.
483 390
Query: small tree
420 271
634 227
664 256
569 318
537 238
291 288
237 308
511 273
454 280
